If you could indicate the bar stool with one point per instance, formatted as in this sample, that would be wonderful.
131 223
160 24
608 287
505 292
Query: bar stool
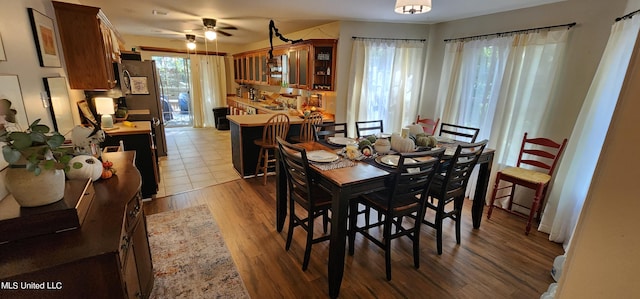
276 126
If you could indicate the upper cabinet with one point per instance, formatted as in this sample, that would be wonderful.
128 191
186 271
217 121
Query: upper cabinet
90 46
306 65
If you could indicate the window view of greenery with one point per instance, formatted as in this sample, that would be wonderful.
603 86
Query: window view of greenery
175 89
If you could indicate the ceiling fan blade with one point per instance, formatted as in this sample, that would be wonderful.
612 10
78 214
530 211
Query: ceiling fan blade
228 27
223 33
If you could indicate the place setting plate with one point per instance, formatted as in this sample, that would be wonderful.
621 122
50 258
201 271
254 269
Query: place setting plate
341 141
392 160
442 139
322 156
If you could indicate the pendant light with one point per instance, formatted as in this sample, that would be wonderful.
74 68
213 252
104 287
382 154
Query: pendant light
413 6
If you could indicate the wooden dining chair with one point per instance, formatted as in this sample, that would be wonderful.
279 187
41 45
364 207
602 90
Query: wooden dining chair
448 189
405 195
307 128
324 130
369 127
469 134
276 126
428 125
315 200
541 154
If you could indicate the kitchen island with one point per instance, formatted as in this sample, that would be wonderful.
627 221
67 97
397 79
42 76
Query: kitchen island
247 128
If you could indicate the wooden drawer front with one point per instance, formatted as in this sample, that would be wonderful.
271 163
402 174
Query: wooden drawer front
134 207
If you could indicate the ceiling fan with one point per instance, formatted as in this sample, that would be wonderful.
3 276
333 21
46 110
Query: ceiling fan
211 30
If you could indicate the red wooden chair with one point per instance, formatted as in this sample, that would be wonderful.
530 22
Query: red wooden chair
541 153
428 125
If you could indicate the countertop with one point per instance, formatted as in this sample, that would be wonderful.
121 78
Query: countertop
256 120
141 127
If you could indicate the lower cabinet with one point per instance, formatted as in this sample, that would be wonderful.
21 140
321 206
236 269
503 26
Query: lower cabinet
108 256
135 255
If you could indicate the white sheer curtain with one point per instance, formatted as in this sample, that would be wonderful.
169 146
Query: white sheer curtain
501 85
385 82
575 171
208 84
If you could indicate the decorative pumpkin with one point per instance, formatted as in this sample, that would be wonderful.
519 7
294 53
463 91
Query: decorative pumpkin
91 168
402 145
415 129
106 174
422 141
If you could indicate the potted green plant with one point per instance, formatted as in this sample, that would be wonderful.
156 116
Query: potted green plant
36 162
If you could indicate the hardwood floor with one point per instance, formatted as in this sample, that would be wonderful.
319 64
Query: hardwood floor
496 261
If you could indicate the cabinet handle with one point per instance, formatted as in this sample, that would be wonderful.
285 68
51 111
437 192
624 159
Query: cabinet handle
125 243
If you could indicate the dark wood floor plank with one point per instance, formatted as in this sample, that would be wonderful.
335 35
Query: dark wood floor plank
496 261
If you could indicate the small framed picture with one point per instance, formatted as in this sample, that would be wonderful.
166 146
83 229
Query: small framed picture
45 39
139 85
3 56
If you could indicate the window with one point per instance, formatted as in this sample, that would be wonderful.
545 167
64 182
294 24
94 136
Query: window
175 88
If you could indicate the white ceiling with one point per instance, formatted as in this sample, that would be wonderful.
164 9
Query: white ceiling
251 17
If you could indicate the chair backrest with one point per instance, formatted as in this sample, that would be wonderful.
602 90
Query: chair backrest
276 126
322 131
428 125
456 131
412 179
369 127
458 169
307 129
540 152
296 166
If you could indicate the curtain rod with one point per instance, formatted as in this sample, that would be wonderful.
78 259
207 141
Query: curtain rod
627 16
383 38
510 32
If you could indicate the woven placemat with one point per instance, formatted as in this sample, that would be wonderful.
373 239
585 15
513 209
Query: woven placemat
341 163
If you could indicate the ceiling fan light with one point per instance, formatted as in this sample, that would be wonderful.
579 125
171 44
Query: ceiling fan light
191 41
412 6
210 34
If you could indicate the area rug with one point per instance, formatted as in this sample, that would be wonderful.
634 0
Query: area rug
190 258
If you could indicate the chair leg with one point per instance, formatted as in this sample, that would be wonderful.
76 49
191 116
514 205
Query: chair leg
265 166
259 164
534 208
292 213
438 224
458 202
325 220
307 249
513 191
493 196
416 242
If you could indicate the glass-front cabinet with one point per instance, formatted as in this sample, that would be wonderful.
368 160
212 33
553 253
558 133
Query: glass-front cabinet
307 65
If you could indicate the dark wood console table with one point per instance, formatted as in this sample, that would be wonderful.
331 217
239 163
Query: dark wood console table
107 257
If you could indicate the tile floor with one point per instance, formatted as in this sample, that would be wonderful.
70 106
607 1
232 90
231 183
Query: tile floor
196 158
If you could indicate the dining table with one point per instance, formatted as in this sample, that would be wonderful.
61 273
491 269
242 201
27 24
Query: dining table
346 183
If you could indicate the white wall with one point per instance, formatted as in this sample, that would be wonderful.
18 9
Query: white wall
22 60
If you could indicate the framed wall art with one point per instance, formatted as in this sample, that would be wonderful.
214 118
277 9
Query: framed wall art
45 39
3 55
59 104
10 90
139 85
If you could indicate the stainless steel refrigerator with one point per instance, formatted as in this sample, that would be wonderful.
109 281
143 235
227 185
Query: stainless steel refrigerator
140 85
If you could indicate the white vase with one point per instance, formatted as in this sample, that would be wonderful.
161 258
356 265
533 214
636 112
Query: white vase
31 190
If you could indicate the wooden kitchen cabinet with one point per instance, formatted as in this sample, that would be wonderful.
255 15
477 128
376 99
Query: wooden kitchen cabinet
323 64
299 66
306 65
90 46
107 257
